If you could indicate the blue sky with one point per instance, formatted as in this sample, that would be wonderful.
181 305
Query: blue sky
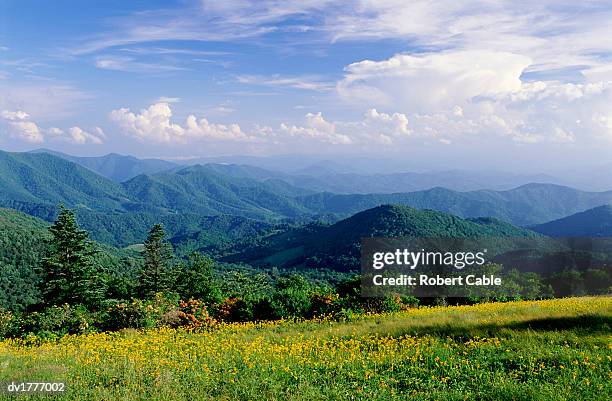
475 83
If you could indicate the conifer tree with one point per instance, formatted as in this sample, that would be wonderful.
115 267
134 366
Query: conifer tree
156 275
69 275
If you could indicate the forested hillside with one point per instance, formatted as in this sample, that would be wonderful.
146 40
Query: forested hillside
44 179
200 189
205 206
596 222
23 245
337 246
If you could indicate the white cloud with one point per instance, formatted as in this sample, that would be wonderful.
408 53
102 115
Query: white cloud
128 64
208 21
154 124
27 131
55 132
554 34
375 128
167 50
42 100
165 99
220 111
79 136
313 83
395 124
21 126
14 115
318 129
479 94
433 80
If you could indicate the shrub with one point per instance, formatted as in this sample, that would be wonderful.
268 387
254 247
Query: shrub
292 297
236 310
7 320
137 314
191 314
324 304
54 321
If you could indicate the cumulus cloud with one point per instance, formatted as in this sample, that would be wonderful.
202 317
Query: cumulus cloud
395 124
79 136
374 128
479 94
21 126
154 124
460 109
316 128
433 80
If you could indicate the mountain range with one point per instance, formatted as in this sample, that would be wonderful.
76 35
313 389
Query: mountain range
187 198
320 176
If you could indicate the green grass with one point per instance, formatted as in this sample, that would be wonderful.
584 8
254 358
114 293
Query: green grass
544 350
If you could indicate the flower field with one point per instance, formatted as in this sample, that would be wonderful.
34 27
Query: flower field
551 350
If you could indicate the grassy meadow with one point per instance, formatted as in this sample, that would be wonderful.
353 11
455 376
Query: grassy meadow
550 350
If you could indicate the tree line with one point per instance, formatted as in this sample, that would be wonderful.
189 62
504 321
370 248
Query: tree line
81 292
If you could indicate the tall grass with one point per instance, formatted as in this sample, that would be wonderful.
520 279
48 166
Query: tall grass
550 350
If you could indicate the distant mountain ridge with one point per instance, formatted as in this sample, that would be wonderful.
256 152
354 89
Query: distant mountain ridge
596 222
322 176
117 167
526 205
329 177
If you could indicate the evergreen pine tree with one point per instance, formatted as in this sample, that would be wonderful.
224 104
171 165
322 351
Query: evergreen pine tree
156 275
69 275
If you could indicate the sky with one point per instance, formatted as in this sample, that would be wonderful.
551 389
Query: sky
446 84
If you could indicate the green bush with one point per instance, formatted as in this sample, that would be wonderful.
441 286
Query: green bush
292 297
53 321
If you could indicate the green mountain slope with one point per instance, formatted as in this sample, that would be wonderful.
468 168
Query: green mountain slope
189 231
36 183
46 179
596 222
203 190
337 246
117 167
